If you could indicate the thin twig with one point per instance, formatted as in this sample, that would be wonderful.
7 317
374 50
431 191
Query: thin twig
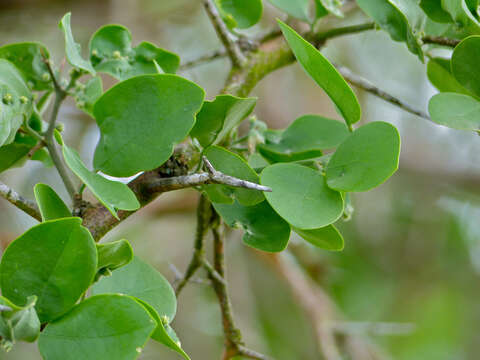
34 149
204 214
60 95
320 38
20 202
233 50
440 40
219 54
211 177
366 85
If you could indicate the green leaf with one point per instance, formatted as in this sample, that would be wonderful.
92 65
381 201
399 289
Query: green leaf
107 327
296 8
50 204
140 280
462 16
164 333
55 260
233 165
301 196
365 159
324 74
72 49
389 16
141 119
440 75
29 59
434 10
16 101
457 111
112 194
18 323
328 237
218 117
87 94
263 228
465 63
111 52
305 138
12 155
240 14
328 6
113 255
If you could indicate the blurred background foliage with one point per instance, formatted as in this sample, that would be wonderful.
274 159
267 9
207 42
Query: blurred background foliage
408 277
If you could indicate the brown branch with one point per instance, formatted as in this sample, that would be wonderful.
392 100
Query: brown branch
366 85
440 40
234 345
20 202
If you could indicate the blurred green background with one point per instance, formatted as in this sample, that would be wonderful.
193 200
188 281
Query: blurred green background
412 255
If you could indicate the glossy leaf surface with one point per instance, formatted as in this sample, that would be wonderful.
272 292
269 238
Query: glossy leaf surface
263 228
108 327
301 196
305 138
324 74
111 52
141 119
365 159
51 206
457 111
55 260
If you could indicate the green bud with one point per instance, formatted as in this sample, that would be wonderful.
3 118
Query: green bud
45 76
165 319
23 99
94 52
7 99
117 54
60 127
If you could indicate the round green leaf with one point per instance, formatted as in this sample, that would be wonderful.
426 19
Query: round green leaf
72 49
465 63
457 111
86 95
462 16
141 119
111 52
56 261
142 281
365 159
233 165
107 327
305 138
328 237
301 196
29 59
264 229
240 14
440 75
50 204
324 74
